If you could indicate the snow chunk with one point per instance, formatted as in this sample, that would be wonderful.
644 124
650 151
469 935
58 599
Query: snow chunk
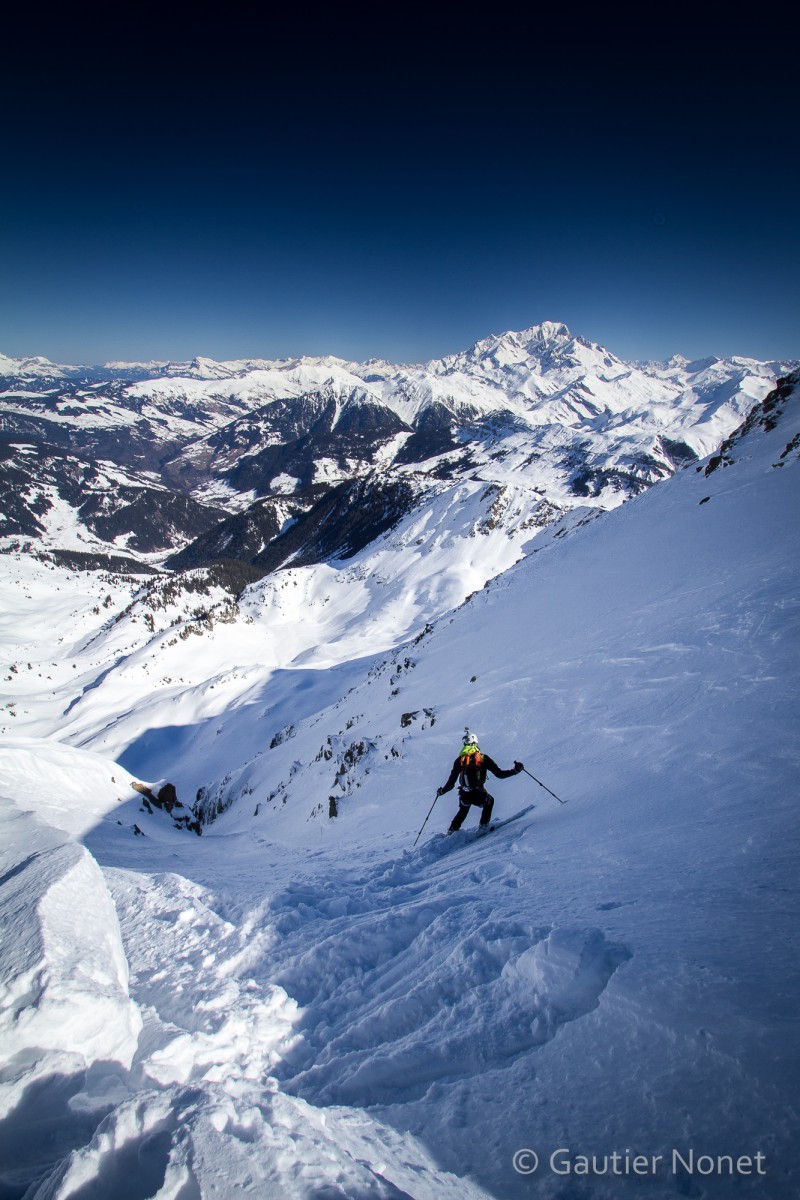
188 1142
64 1001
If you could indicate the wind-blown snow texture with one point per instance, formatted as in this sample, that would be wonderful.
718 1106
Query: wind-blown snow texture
294 1005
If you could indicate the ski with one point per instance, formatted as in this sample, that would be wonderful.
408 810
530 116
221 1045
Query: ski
462 837
493 825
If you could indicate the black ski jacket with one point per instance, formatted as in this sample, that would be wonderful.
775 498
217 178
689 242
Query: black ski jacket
488 764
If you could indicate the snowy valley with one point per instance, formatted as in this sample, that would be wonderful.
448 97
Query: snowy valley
286 588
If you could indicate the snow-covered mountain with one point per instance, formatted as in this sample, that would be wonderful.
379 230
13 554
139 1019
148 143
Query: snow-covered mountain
301 1004
301 442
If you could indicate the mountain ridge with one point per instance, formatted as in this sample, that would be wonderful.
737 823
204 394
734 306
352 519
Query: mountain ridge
540 408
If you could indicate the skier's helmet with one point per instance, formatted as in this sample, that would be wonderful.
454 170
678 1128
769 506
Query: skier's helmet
469 738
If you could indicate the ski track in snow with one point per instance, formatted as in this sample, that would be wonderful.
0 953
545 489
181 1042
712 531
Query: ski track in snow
406 980
357 989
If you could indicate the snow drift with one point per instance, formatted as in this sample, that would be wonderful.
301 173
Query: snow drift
68 1026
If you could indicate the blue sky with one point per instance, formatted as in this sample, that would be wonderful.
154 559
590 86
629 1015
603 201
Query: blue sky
398 191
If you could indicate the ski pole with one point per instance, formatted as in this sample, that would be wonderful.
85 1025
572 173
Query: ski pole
547 789
425 822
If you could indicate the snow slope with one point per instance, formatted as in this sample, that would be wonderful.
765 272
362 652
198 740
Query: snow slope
329 1012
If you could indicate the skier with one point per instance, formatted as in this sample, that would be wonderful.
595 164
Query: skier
470 770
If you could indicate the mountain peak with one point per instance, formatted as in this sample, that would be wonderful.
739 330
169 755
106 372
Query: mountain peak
540 347
546 332
32 365
539 337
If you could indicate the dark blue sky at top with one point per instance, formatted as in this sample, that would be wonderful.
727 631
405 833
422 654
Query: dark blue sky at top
398 190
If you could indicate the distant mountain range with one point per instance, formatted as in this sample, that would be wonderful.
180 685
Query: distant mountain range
298 461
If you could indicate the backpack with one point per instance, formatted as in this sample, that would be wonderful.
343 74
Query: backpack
470 776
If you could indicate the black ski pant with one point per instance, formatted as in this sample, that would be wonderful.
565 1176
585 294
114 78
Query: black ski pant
465 800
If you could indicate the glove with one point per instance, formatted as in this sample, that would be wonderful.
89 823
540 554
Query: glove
439 792
518 767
